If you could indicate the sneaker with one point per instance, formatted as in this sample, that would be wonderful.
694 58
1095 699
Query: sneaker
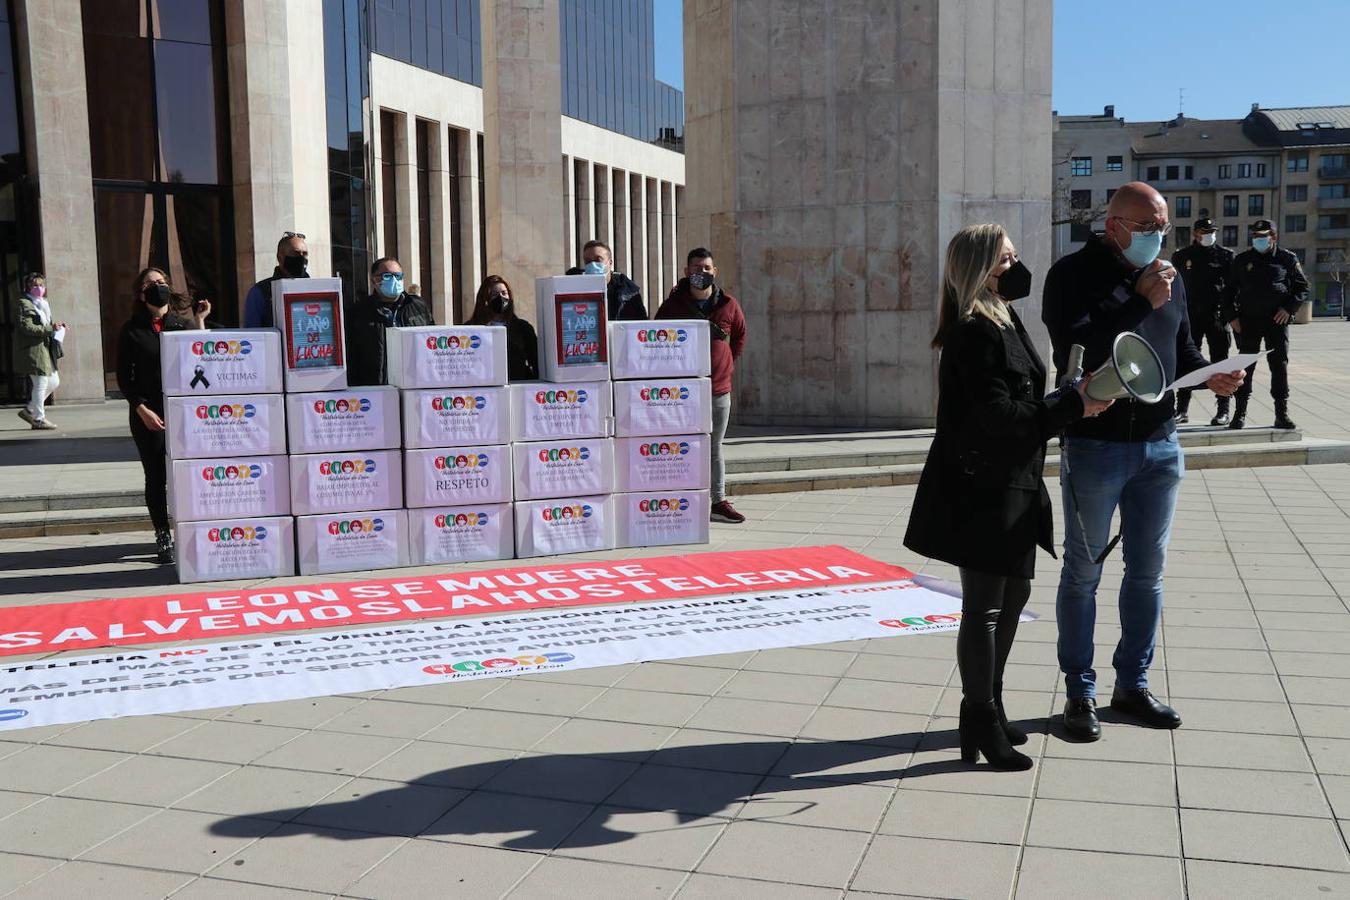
722 511
27 417
44 425
164 547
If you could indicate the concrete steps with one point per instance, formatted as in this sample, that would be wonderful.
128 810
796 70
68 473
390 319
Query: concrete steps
97 520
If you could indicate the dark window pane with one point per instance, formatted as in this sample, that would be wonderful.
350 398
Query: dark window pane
389 126
121 115
424 266
199 238
185 83
124 226
183 20
10 142
119 18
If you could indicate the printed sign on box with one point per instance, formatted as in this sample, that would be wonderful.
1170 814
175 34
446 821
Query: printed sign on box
432 356
351 542
309 313
659 406
572 315
449 418
226 549
665 348
202 363
244 486
659 519
363 418
669 462
547 412
323 483
568 525
239 425
454 476
455 534
569 468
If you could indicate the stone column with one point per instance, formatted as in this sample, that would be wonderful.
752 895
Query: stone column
672 262
569 189
604 210
405 182
522 121
585 203
443 275
308 121
637 220
622 226
651 286
473 228
55 111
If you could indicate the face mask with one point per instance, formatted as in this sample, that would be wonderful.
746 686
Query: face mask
295 266
390 288
37 291
1207 240
501 303
1143 249
595 267
700 281
1015 282
157 295
1261 244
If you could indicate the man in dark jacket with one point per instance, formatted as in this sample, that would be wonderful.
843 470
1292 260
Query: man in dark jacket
1268 288
1203 266
292 262
698 296
625 297
387 306
1128 457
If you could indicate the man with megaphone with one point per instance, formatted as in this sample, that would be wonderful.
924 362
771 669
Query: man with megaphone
1126 310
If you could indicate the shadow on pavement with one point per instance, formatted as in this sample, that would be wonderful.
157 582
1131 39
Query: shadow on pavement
45 577
47 451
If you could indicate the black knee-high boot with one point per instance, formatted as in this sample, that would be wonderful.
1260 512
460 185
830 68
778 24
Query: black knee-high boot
1015 594
982 730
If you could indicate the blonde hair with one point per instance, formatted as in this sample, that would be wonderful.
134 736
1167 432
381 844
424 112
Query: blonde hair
972 256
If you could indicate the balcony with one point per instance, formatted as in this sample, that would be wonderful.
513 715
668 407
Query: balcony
1333 202
1333 234
1333 172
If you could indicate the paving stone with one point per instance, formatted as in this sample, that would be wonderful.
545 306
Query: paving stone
919 867
800 855
1271 840
1045 872
434 870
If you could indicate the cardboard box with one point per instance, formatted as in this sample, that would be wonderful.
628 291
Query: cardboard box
666 348
208 363
313 339
433 356
243 487
450 418
571 525
569 468
548 412
571 313
456 534
666 463
229 425
351 542
227 549
662 406
323 483
457 476
360 418
659 519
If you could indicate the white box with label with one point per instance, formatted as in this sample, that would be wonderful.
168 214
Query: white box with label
450 417
679 462
570 525
233 425
455 534
456 476
432 356
547 412
652 406
353 481
664 348
309 313
661 518
351 542
207 363
572 314
227 549
568 468
246 487
359 418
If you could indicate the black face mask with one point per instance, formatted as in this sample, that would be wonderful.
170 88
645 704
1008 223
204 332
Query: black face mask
295 266
157 295
700 281
501 304
1015 282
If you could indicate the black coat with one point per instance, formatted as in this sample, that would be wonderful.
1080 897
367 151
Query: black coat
981 502
522 351
138 367
625 299
1209 294
367 362
1265 282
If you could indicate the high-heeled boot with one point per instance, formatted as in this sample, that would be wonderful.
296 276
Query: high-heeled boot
981 733
1016 736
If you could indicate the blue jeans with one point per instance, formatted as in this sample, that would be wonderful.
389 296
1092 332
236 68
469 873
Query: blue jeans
1142 479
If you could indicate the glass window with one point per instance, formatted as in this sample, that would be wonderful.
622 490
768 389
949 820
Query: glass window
1153 174
389 128
1256 204
1230 235
1332 191
1332 162
119 83
1081 165
1295 223
183 20
1244 170
1183 205
1297 162
425 269
1296 193
1333 221
1183 235
1173 173
1260 170
1190 173
1225 170
1230 204
185 91
1114 163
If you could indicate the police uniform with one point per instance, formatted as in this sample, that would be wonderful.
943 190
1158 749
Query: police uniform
1263 283
1205 272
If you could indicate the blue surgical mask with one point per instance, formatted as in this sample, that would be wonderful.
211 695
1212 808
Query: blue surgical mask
1261 244
391 285
595 267
1143 249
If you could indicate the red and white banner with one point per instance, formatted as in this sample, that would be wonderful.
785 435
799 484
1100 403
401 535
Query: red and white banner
229 613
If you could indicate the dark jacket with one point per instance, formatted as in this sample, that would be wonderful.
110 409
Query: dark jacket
1089 299
138 372
726 323
981 503
367 362
258 301
625 299
1265 282
522 351
33 339
1208 289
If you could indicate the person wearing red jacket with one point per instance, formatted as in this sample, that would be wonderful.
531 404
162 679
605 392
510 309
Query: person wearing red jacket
698 296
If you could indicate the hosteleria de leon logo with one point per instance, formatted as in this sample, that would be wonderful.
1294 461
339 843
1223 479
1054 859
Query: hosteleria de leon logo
462 461
453 342
462 520
450 404
223 411
564 454
575 511
219 351
342 405
664 448
222 534
334 467
557 398
477 666
663 504
657 394
662 336
355 526
232 472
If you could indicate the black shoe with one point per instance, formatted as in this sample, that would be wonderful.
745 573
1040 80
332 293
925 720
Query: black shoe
164 547
1239 415
1080 718
1183 407
1142 705
1220 412
981 733
1182 418
1282 419
1016 736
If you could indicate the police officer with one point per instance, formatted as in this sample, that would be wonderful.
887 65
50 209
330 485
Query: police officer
1268 287
1204 266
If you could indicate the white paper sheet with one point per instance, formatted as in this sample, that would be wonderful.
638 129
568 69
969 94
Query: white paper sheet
1231 364
59 335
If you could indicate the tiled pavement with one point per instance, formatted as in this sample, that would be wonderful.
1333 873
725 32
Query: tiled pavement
808 772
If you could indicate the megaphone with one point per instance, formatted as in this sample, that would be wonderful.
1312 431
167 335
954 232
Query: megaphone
1133 370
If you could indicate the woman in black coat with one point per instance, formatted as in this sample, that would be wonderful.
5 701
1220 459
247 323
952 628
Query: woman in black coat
494 305
981 504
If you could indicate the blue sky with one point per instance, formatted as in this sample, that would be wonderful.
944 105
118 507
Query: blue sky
1227 54
670 42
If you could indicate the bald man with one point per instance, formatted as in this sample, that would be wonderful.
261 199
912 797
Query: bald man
1128 457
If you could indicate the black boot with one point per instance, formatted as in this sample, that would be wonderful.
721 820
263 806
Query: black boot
1016 736
981 733
164 546
1239 414
1220 412
1183 407
1282 419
